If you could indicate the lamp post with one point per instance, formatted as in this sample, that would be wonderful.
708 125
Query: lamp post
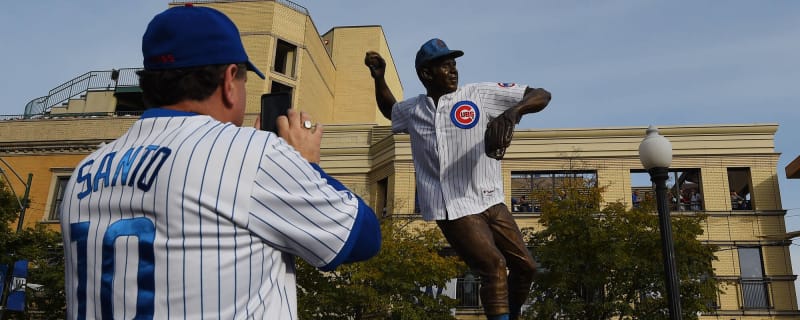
655 152
25 202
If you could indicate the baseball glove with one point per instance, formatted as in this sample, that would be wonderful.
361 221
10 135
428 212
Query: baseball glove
498 135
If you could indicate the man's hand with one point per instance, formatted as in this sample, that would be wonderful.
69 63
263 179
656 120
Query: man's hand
499 133
305 140
535 100
376 64
383 95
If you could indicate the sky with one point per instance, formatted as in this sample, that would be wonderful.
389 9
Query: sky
606 63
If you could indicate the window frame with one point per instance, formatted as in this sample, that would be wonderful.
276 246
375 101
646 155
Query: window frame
734 184
675 182
278 86
288 65
467 293
58 183
547 178
750 286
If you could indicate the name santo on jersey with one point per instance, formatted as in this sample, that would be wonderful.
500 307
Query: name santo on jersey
137 167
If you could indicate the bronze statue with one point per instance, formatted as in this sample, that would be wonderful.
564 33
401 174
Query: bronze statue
458 135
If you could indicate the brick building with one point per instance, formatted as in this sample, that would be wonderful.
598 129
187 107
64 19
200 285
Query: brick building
326 73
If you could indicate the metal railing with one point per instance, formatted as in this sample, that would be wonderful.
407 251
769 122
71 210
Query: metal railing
291 5
81 115
10 117
468 292
755 293
93 80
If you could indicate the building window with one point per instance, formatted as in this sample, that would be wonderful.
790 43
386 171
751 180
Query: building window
285 57
383 196
57 197
527 187
739 183
754 286
684 189
277 87
468 291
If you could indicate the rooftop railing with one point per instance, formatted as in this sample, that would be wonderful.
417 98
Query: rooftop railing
81 115
105 80
92 80
292 5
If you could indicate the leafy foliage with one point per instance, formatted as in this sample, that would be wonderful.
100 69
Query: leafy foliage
388 286
9 208
44 251
602 263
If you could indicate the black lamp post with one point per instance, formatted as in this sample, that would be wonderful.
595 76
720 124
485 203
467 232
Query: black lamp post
655 152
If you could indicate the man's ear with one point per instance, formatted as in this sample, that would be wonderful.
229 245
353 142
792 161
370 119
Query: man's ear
424 75
229 94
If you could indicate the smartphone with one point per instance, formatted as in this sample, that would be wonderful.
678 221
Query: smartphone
274 105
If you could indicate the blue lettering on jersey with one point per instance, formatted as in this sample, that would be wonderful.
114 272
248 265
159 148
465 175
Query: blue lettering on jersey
145 184
104 171
85 177
141 160
143 180
125 164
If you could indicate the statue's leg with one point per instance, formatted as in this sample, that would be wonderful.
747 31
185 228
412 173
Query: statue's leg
521 265
472 239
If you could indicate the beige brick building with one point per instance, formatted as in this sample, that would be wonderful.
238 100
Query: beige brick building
327 78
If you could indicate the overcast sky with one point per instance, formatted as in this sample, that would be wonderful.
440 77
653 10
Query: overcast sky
607 63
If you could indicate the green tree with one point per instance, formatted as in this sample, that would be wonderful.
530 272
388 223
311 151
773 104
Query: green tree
607 263
9 208
388 286
44 251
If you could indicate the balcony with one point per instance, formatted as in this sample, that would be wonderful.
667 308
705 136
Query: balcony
755 294
468 292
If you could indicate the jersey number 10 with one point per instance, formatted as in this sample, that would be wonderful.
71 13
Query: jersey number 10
141 228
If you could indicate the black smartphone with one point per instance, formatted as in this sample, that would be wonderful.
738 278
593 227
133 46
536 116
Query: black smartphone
274 105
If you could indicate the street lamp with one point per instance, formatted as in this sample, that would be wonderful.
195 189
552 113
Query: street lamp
655 152
24 203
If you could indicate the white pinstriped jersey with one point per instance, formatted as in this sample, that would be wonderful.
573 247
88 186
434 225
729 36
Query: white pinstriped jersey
454 176
185 217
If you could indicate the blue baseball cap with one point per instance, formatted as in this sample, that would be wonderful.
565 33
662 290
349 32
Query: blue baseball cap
190 36
434 49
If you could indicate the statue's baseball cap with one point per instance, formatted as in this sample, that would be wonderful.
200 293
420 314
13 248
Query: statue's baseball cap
434 49
192 36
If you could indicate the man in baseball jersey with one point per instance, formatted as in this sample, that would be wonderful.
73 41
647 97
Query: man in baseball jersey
189 215
460 187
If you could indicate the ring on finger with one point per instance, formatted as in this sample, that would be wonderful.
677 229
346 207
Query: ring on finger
307 124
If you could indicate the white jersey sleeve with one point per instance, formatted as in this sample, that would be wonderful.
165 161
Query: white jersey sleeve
295 210
401 114
184 217
497 97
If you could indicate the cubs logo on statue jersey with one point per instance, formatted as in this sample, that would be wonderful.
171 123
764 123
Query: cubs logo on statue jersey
465 114
447 144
